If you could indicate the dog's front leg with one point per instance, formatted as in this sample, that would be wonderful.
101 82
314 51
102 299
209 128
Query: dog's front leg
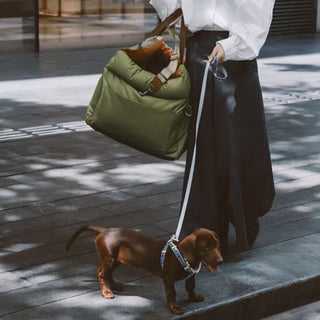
190 287
171 296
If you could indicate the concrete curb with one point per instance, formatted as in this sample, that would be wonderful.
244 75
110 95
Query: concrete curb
263 303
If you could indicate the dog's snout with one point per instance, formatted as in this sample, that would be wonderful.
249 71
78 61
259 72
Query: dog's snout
219 260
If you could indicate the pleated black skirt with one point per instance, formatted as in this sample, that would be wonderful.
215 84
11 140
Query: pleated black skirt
233 179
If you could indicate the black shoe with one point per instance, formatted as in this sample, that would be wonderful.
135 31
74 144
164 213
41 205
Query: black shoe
253 228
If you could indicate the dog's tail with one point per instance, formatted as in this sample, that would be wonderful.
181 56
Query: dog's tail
82 229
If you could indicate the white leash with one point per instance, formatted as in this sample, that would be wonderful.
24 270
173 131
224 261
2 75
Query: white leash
190 178
184 263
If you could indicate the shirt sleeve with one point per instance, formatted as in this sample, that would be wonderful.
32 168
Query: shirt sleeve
165 7
248 32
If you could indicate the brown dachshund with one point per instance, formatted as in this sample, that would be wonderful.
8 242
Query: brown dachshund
117 246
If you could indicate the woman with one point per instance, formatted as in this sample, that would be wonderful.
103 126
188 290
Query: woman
232 179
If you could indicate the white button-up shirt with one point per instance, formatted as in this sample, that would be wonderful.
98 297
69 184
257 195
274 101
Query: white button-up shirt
248 22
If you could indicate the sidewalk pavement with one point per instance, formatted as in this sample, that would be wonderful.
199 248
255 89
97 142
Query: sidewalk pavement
57 175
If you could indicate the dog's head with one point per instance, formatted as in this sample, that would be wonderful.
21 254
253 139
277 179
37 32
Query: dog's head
208 248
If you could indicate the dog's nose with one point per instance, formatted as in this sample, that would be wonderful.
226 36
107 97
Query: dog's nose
220 260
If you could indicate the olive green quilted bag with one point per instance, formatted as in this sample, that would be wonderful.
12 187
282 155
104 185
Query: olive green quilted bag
141 98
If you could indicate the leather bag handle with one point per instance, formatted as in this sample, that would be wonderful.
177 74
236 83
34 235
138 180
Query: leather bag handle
165 24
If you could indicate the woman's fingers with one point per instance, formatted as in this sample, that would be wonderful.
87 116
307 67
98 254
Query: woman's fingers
218 51
213 53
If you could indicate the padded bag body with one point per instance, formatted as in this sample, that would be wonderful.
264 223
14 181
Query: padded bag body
124 107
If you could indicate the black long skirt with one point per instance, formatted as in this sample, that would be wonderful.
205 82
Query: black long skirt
233 179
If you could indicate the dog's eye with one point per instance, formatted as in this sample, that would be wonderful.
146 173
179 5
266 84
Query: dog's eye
205 249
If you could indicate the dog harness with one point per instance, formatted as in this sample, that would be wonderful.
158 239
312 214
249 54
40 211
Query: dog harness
184 263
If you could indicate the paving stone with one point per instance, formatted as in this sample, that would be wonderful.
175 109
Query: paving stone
298 257
20 255
313 223
154 188
35 239
38 163
314 205
30 297
144 202
299 184
24 195
52 221
76 263
6 152
95 199
73 142
11 261
283 232
85 305
292 174
299 197
11 281
72 265
23 242
76 181
170 225
297 162
288 215
7 162
17 214
25 178
150 231
149 216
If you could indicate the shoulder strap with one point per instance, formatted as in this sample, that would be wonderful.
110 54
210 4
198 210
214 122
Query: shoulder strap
182 37
165 24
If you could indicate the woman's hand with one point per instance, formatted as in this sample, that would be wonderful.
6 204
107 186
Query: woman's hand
218 51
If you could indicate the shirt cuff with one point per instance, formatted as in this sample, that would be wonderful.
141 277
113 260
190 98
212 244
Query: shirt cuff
237 49
228 46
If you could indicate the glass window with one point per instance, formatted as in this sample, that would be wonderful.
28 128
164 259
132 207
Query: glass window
17 26
94 23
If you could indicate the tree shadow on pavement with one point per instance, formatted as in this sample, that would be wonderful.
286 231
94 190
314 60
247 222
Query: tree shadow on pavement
52 185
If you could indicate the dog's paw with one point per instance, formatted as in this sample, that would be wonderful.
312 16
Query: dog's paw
195 297
107 294
116 286
177 309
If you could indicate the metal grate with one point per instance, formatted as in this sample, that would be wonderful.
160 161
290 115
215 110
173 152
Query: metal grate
294 16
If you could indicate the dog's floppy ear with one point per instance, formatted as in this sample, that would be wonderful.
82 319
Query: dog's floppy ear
215 235
205 238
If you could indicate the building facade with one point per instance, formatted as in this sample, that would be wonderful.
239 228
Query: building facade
33 25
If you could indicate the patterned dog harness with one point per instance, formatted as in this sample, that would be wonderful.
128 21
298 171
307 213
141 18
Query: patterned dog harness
184 263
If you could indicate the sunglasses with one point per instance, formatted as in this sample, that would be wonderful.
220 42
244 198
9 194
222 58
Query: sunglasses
219 72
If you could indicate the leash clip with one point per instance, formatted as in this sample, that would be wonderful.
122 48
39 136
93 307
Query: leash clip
219 72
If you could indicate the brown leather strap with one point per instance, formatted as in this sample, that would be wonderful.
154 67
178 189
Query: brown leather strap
182 37
165 24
